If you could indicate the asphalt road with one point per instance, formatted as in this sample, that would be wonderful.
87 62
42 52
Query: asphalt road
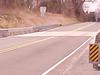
53 52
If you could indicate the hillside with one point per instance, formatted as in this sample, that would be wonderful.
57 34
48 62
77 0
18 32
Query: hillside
23 18
20 13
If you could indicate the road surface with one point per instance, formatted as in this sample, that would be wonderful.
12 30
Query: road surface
59 51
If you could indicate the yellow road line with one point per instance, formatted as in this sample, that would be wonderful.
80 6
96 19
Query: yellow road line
83 27
30 43
23 45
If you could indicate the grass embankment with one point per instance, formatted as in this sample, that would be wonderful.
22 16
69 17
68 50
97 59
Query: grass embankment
25 18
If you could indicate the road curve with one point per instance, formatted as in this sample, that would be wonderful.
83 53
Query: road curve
32 54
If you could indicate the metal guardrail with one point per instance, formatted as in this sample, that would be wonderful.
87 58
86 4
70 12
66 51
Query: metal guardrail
3 33
25 30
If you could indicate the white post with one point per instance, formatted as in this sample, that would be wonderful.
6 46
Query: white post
93 40
43 10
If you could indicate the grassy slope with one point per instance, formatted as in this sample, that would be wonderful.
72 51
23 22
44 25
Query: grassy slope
24 18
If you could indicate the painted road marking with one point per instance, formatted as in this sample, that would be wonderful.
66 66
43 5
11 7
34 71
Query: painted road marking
30 43
75 32
53 67
73 62
93 53
84 27
22 45
61 33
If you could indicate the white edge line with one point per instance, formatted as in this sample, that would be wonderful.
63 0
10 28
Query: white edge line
50 69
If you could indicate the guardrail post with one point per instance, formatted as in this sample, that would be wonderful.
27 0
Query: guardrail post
4 33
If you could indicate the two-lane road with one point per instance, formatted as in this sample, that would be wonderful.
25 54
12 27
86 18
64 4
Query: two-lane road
37 53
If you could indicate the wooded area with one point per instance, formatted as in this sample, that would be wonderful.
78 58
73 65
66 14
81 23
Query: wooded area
70 8
67 7
21 12
14 3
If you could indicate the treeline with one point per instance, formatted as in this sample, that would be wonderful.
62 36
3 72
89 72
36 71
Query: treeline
17 3
67 7
57 6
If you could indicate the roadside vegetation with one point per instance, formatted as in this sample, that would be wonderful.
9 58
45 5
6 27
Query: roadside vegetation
24 13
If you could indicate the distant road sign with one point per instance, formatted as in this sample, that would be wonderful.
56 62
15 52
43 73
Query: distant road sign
86 6
93 7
